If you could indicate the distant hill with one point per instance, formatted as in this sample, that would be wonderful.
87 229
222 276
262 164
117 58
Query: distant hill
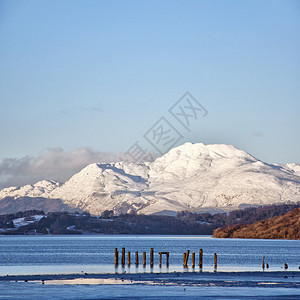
192 177
10 205
38 222
282 227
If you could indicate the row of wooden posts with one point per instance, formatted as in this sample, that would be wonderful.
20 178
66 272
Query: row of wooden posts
267 265
185 258
137 257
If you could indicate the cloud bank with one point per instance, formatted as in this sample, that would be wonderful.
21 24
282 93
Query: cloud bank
55 164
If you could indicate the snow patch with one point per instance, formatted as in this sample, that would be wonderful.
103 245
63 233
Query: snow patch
27 220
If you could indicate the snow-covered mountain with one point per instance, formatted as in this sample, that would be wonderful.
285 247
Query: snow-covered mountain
39 189
193 177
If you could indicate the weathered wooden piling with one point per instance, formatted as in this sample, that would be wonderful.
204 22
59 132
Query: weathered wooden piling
116 256
184 260
215 260
160 258
263 263
193 259
128 258
144 259
151 257
187 256
123 256
201 258
137 258
285 266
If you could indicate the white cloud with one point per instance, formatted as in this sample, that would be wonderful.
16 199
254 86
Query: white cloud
54 164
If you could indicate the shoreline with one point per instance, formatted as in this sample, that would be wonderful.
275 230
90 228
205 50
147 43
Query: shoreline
156 275
200 285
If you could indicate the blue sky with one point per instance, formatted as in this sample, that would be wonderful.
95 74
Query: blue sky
97 75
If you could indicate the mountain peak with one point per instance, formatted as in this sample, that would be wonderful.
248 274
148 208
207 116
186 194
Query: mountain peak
214 151
193 177
191 159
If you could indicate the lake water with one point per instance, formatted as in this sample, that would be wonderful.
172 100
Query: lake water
24 255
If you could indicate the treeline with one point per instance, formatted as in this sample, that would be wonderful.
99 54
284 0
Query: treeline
67 223
248 215
281 227
183 223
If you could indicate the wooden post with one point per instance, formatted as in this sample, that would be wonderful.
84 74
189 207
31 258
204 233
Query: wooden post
123 256
187 256
216 260
263 263
144 259
193 259
116 256
160 255
137 258
285 266
151 257
168 255
201 258
128 258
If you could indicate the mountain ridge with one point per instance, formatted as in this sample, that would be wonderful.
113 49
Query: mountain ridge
189 177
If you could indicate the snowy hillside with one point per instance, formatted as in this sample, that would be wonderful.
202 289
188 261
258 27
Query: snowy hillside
189 177
40 189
